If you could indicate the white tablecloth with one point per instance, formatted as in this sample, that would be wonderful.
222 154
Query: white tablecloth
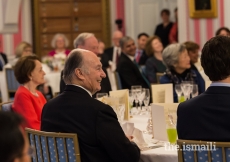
53 79
160 154
3 87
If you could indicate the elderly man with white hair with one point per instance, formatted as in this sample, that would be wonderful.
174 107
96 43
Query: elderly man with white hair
100 135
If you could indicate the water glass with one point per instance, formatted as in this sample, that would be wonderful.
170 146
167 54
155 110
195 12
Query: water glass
194 90
172 133
146 98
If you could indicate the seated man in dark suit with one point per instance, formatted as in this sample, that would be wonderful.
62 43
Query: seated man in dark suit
111 55
206 116
127 67
89 42
100 135
141 56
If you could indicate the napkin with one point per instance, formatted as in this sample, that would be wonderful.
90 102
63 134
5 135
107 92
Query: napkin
130 130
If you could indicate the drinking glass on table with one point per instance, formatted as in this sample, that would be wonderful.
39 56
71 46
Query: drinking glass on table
186 89
147 99
179 93
171 132
136 91
194 90
141 97
131 99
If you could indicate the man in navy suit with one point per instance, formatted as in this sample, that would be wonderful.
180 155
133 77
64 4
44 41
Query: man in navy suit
206 117
127 68
100 135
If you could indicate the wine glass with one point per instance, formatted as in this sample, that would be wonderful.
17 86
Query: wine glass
146 98
136 91
131 99
194 90
141 97
178 91
186 89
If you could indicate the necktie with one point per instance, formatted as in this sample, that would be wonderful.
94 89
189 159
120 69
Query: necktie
117 56
138 56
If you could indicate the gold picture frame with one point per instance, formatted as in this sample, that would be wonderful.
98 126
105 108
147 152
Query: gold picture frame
203 8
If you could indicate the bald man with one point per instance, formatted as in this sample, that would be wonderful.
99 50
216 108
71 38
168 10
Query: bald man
100 135
111 55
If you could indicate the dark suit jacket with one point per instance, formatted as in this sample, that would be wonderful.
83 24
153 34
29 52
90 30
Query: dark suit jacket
143 58
107 56
101 138
4 59
129 73
105 84
205 117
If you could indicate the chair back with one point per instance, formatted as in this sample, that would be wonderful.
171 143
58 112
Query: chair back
118 80
159 75
201 151
162 93
54 147
12 83
6 106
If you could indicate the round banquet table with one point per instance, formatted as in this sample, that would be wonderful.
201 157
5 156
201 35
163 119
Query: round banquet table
161 154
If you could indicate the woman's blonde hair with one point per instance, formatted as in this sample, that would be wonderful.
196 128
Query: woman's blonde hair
148 47
21 47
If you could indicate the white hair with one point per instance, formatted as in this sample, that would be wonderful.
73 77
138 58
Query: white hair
53 42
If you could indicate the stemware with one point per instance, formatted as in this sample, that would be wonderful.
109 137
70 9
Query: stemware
194 90
141 97
146 98
131 99
186 89
178 90
136 91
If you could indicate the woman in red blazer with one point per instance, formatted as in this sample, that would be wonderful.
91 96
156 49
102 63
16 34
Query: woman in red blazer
28 101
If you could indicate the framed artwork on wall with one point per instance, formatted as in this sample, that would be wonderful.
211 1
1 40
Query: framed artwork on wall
203 8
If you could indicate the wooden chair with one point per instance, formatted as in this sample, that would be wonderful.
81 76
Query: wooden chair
54 147
159 75
202 151
6 106
12 83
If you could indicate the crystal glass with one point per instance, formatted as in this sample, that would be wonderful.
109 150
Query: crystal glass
172 133
186 89
131 98
136 91
146 98
194 90
171 127
141 97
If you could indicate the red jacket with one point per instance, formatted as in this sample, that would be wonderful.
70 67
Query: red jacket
29 106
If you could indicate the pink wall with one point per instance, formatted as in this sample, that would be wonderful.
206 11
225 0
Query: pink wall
201 30
9 41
